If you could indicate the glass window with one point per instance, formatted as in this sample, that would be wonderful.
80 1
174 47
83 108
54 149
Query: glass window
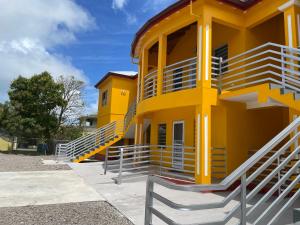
104 98
162 134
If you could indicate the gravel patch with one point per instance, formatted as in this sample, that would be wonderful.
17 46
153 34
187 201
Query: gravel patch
85 213
18 163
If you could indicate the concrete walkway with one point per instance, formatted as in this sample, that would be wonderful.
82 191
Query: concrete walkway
129 198
44 187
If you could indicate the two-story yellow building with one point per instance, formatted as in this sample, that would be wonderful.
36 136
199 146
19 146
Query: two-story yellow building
217 80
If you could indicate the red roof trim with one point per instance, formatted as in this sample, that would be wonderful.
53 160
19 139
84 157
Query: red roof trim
241 5
177 6
115 75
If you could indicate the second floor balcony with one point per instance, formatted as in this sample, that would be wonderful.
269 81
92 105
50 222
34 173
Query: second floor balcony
269 63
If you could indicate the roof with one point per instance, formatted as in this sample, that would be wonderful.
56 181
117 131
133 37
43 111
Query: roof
124 74
241 4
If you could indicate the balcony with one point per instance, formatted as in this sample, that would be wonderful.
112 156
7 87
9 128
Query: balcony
180 76
269 63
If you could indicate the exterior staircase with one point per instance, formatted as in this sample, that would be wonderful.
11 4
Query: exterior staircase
96 142
275 168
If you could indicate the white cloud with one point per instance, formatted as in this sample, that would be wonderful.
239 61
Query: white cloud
29 31
118 4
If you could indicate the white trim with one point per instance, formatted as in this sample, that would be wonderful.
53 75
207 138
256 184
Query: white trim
290 30
198 143
298 28
200 52
206 145
136 134
288 4
207 51
141 133
183 125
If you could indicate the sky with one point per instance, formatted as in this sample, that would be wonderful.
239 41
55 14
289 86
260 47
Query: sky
83 38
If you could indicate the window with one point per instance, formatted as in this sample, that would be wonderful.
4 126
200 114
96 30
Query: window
222 52
104 98
162 134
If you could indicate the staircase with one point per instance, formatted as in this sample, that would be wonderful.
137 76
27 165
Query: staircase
275 169
96 142
268 74
91 144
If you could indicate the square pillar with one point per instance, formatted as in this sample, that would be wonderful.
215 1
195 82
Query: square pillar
144 71
203 144
204 46
138 135
292 25
162 60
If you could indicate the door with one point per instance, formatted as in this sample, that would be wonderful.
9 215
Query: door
178 143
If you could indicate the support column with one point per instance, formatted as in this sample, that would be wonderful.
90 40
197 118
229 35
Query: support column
203 144
162 60
292 24
204 51
144 71
138 137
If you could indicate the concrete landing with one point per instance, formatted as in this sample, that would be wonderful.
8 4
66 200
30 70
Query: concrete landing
129 198
44 187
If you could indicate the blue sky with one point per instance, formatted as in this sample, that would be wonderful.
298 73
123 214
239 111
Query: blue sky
84 38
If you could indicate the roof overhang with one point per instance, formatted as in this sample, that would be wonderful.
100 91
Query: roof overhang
109 74
240 4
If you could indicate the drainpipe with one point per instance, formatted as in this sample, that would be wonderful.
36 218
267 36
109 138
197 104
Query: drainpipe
133 62
191 9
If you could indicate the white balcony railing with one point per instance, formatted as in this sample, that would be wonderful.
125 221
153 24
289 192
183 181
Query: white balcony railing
150 85
269 63
180 75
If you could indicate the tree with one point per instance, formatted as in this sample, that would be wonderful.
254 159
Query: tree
69 113
31 110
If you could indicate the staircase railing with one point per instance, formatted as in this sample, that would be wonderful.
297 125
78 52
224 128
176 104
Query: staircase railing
130 161
89 142
282 162
267 63
129 115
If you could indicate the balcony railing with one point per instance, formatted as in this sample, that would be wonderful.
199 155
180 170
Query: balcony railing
171 161
150 85
180 75
269 63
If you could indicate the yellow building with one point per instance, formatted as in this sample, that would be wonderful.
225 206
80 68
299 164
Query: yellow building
217 80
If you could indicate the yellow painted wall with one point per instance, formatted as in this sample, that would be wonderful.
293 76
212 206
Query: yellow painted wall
4 144
185 47
121 94
271 30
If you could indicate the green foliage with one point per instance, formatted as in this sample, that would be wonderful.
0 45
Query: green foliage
31 110
69 133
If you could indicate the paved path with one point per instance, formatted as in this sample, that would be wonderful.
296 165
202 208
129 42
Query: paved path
44 187
129 198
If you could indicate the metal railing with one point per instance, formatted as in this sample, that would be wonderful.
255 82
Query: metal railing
150 85
130 161
284 144
218 162
268 63
180 75
90 142
129 115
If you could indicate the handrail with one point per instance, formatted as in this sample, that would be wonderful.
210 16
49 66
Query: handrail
229 180
151 159
240 174
268 63
85 144
129 115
